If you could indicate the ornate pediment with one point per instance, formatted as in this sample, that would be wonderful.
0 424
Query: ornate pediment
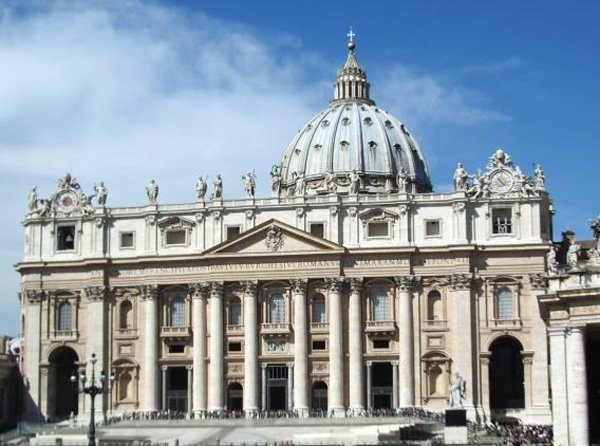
274 237
377 214
175 223
68 199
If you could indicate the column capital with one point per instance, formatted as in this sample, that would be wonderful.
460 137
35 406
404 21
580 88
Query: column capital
250 287
369 363
199 290
576 329
461 281
406 283
299 286
35 296
334 284
189 367
164 368
96 293
356 284
216 290
148 292
557 331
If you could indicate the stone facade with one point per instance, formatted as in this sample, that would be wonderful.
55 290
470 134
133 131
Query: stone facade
340 299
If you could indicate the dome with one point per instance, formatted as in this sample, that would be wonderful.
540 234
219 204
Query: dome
353 146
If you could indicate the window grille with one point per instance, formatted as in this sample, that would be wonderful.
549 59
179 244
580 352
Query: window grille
504 304
381 306
65 317
178 312
276 309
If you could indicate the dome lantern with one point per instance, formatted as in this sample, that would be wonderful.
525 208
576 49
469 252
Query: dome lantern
351 82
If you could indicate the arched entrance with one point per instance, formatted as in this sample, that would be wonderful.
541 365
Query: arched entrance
62 393
235 397
319 397
507 390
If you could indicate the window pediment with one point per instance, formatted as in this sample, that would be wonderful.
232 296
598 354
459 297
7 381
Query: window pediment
377 215
167 223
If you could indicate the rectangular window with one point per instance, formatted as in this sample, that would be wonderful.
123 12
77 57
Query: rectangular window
381 343
432 228
502 221
378 229
234 346
317 229
126 240
233 232
65 238
176 348
318 345
175 237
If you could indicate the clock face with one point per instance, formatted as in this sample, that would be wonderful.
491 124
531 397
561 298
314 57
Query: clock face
67 202
501 181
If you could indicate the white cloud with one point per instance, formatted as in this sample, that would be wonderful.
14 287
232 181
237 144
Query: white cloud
127 91
428 99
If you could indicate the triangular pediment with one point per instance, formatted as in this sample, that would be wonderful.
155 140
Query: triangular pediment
377 214
175 222
274 237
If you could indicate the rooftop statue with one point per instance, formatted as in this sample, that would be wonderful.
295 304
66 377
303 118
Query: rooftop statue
540 179
101 194
275 180
217 188
32 200
460 178
200 188
249 183
354 182
152 191
458 390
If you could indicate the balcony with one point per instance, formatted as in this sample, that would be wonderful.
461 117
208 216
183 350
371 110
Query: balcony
319 327
175 332
275 329
126 333
235 329
380 327
435 325
65 335
505 324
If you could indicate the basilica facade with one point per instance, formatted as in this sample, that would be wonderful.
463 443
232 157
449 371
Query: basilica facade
354 287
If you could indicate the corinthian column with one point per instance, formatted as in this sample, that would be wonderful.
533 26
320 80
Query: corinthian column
251 384
336 348
300 348
577 387
150 394
32 353
405 335
96 332
355 334
199 353
215 374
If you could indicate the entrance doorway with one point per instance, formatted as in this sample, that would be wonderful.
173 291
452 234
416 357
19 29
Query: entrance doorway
177 389
319 397
277 387
62 393
235 397
382 381
507 389
592 357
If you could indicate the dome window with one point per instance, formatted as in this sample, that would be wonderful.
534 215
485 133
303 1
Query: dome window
308 127
397 147
346 121
318 146
344 145
325 123
389 124
368 121
372 145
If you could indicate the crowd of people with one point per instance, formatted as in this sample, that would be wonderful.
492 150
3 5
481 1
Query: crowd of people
520 434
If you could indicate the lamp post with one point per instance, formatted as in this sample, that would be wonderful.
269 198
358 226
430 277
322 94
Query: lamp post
95 387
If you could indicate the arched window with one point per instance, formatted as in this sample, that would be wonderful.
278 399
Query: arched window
504 304
235 311
126 315
276 309
318 309
435 377
65 316
381 306
177 308
124 383
434 306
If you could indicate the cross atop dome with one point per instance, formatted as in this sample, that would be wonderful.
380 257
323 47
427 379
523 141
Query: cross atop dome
352 80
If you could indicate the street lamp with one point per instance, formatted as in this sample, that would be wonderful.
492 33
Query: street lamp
95 387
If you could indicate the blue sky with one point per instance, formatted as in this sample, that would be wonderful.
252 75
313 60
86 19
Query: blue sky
132 90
